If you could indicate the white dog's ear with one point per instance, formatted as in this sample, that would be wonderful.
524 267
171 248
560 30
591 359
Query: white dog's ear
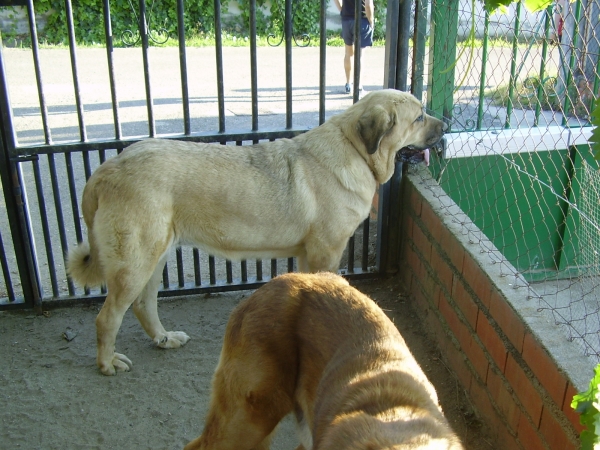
373 125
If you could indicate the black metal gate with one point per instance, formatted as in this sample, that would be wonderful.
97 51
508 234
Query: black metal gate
43 174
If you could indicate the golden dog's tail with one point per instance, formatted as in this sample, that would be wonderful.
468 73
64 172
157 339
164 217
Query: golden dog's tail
83 263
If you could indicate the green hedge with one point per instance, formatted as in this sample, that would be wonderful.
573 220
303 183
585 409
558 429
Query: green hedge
198 18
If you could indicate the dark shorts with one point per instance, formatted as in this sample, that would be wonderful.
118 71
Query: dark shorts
366 32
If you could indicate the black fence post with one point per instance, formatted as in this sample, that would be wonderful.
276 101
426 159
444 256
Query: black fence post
396 77
14 197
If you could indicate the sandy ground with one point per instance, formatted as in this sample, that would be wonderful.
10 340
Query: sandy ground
54 397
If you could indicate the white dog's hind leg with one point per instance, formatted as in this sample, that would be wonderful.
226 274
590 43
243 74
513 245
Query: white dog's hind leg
145 309
108 323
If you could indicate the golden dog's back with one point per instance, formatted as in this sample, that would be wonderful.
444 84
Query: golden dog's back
348 372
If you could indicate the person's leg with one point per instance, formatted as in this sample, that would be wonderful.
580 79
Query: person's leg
348 60
348 36
366 41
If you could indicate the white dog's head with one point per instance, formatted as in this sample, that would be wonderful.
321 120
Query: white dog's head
388 120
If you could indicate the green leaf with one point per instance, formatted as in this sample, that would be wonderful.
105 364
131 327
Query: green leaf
587 405
537 5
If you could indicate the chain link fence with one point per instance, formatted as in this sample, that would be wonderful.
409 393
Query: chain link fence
518 90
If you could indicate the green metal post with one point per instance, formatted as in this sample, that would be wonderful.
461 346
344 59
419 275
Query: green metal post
513 67
484 58
442 57
572 62
419 49
540 89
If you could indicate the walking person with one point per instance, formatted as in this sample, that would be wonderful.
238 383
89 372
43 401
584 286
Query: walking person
347 10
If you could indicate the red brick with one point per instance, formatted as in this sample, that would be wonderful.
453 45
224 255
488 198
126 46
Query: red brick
491 341
407 277
477 358
412 259
415 201
544 368
508 320
477 279
465 302
524 389
421 300
528 435
429 285
457 362
570 412
460 331
422 243
453 248
436 296
442 270
481 400
433 223
554 434
504 400
408 223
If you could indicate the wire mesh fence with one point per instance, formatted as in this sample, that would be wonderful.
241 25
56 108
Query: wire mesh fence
518 90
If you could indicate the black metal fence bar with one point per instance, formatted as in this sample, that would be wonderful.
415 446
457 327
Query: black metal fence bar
365 248
111 69
45 228
322 60
219 61
288 63
185 97
10 292
253 66
351 243
73 54
38 72
58 209
180 274
241 136
229 272
197 273
143 27
244 271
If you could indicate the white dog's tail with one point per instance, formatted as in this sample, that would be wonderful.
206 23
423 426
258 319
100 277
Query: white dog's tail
84 268
83 263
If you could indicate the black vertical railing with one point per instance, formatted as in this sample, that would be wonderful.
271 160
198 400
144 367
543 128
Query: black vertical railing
58 173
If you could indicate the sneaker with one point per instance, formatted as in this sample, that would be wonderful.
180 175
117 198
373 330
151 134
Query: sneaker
348 88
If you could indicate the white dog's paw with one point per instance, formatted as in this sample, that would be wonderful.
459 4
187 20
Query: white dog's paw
172 339
119 363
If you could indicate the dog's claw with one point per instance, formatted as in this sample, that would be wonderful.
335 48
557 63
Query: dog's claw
173 339
119 363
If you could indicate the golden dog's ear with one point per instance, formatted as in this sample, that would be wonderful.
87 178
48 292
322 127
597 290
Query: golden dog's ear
373 125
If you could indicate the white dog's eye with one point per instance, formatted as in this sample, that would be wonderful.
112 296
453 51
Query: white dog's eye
420 118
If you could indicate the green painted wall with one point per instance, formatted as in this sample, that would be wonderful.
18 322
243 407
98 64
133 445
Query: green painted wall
517 200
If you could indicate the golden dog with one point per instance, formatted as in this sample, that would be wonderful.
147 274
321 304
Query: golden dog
300 197
313 345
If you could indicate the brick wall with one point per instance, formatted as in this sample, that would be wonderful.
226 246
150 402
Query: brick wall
469 296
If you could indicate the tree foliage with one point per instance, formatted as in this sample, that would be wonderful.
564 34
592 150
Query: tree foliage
89 23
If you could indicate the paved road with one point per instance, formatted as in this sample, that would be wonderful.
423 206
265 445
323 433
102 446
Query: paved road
166 89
